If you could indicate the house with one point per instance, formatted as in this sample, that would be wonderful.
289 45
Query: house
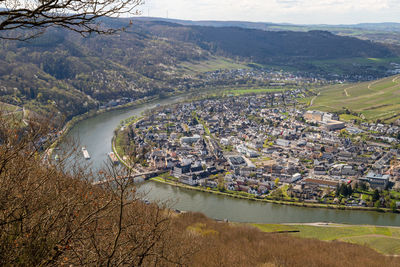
231 186
253 190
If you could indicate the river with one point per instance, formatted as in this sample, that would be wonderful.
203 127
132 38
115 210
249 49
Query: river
95 133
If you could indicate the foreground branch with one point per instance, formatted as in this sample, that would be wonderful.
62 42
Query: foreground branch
26 19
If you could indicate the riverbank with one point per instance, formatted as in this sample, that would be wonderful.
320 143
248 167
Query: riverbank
91 113
273 201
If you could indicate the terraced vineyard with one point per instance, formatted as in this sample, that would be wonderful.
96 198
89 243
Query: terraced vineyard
375 100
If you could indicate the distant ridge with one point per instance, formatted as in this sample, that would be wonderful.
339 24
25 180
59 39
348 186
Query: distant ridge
270 26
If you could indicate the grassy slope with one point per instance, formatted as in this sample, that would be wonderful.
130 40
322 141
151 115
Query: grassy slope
4 107
383 239
375 100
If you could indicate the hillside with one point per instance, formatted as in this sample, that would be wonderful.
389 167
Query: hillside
376 100
388 33
63 72
268 47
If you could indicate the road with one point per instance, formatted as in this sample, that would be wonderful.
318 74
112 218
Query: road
313 99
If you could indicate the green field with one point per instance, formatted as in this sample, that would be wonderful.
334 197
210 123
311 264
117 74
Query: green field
212 64
385 240
374 100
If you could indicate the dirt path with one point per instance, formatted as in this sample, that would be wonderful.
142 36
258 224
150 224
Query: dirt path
313 99
372 83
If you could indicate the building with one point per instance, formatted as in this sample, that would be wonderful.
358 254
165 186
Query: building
320 183
296 177
332 125
330 117
376 180
188 179
313 115
282 142
189 140
181 169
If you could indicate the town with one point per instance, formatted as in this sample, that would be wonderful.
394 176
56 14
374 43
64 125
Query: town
267 147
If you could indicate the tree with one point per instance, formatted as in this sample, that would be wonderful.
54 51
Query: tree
363 186
344 190
277 181
349 190
337 193
33 17
393 206
376 196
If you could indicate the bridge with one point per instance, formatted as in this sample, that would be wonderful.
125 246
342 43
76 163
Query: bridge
146 175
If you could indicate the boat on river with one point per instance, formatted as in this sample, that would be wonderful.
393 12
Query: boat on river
85 153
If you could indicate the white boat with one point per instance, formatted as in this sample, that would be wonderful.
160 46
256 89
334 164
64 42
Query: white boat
85 153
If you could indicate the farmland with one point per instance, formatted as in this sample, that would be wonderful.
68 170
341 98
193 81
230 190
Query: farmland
375 100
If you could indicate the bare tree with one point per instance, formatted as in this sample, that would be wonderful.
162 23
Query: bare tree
32 17
51 218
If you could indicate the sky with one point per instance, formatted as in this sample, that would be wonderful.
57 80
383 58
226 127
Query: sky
278 11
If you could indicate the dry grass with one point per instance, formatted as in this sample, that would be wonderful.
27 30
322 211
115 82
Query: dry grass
246 246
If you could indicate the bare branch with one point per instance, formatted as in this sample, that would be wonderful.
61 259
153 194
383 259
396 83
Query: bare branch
25 19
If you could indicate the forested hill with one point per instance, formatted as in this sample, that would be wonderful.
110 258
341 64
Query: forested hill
64 71
268 46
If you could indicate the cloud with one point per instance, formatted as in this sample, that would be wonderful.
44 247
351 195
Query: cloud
295 11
